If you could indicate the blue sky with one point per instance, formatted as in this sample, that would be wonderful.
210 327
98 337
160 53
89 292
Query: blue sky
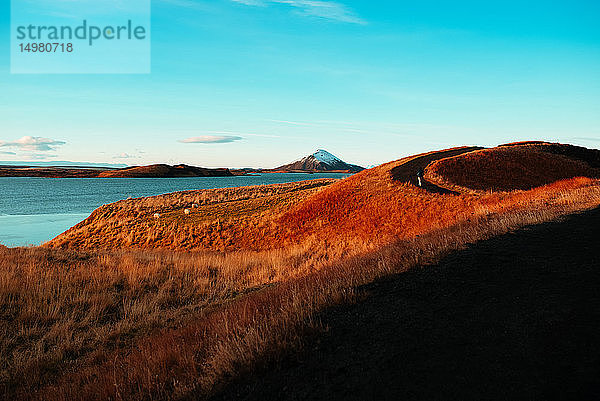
263 82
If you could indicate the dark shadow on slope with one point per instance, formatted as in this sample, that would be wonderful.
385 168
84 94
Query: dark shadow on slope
514 317
573 152
407 172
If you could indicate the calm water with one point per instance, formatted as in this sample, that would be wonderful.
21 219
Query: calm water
35 210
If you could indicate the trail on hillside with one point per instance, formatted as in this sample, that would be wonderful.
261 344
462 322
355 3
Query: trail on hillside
407 172
513 317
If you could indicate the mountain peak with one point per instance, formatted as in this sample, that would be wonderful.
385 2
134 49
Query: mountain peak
321 160
325 157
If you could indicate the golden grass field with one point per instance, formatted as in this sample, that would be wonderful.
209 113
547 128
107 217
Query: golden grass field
522 167
127 306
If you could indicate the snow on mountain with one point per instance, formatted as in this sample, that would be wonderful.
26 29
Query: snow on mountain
326 157
321 160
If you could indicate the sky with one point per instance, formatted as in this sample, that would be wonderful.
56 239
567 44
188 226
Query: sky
260 83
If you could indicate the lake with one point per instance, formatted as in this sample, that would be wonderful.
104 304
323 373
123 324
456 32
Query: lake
35 210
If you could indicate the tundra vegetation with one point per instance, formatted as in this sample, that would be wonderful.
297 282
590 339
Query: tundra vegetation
172 295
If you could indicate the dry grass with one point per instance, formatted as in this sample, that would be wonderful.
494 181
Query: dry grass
64 308
228 340
507 168
225 219
347 211
160 324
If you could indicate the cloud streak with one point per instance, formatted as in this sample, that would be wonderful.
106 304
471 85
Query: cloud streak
186 3
38 156
33 144
126 156
210 139
330 10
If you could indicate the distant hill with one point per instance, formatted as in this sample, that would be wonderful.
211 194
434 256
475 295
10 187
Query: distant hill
50 172
165 171
152 171
388 197
320 161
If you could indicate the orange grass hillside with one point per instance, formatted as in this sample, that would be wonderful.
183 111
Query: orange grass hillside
383 204
132 322
160 325
215 219
65 309
518 166
189 359
363 211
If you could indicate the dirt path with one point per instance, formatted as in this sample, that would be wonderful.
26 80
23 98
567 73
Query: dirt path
514 317
407 172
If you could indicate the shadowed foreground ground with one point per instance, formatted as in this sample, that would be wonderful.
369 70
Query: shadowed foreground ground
514 317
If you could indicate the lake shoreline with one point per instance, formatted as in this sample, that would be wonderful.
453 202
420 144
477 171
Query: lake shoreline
31 207
163 171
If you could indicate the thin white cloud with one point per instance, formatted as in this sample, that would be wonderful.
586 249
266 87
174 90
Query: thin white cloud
261 3
293 123
33 144
212 139
586 139
330 10
126 156
38 156
186 3
240 133
264 135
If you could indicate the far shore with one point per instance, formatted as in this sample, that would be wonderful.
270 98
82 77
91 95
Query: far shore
153 171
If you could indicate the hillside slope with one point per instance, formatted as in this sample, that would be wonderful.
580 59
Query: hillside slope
514 167
507 318
175 294
217 219
345 211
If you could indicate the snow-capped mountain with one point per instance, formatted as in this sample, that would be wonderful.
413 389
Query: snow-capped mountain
321 160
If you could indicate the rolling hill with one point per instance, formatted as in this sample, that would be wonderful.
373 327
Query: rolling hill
171 297
514 167
385 199
151 171
165 171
